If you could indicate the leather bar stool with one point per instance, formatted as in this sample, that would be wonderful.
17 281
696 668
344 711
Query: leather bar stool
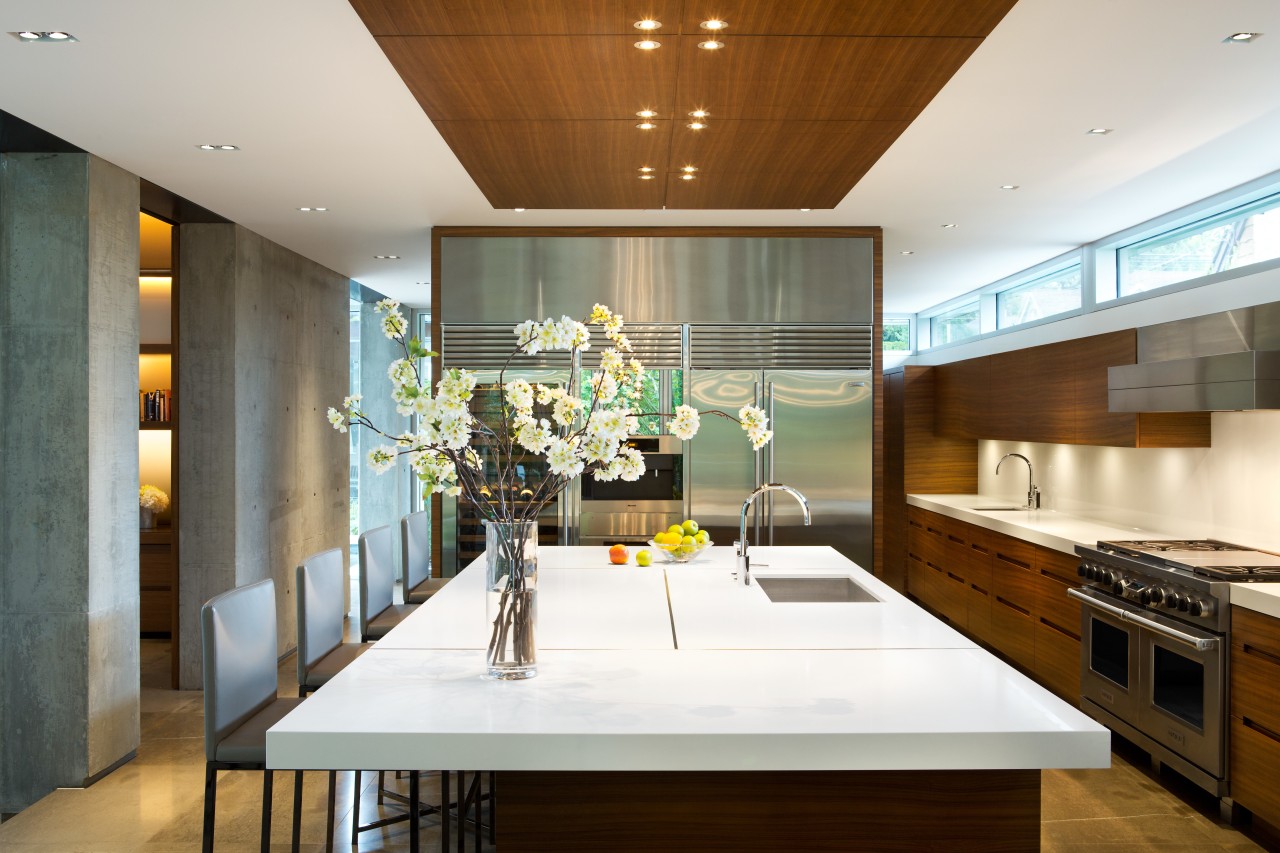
238 633
378 613
415 548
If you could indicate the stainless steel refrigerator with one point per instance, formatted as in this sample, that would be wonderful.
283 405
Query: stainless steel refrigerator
822 446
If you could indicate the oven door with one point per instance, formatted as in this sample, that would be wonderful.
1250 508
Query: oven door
1109 663
1182 671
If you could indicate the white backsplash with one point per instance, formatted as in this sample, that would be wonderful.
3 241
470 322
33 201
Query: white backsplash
1230 491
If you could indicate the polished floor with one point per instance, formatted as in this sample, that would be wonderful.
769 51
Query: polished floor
154 803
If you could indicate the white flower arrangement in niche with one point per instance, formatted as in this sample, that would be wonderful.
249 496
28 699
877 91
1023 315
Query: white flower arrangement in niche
579 438
152 498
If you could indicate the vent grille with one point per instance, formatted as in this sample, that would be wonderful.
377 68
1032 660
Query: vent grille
845 347
488 346
657 346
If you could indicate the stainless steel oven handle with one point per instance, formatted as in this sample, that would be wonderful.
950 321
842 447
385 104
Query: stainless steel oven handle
1201 644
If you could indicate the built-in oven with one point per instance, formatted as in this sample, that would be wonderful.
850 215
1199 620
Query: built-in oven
1159 676
632 512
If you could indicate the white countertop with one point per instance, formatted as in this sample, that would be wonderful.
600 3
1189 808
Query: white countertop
1262 597
887 687
1043 527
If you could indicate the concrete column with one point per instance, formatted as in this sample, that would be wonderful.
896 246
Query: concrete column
383 498
262 476
68 472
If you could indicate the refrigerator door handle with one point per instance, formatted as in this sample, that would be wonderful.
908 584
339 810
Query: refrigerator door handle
773 453
755 511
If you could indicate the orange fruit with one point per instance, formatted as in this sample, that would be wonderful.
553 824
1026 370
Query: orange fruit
618 555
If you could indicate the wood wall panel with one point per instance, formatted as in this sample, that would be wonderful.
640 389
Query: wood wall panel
953 810
1175 429
893 505
568 61
1093 356
963 399
1051 389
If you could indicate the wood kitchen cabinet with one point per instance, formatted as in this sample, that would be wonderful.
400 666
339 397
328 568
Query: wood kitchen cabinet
1255 713
1055 394
1006 593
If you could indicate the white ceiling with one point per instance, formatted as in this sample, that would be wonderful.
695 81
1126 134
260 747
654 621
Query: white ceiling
323 120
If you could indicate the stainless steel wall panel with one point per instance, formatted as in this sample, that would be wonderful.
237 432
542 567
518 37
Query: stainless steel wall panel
659 279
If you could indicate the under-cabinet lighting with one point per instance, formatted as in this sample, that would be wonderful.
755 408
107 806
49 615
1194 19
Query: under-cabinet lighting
648 44
518 209
805 209
647 24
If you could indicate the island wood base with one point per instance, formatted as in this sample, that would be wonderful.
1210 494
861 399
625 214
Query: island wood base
929 810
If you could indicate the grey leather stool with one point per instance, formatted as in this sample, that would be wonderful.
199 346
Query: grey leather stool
238 632
415 548
378 614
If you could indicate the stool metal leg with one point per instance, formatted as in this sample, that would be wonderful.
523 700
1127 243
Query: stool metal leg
445 811
297 809
413 812
493 807
355 814
328 830
267 779
210 800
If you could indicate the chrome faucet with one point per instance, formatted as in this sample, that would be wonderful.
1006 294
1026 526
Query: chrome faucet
1033 493
743 560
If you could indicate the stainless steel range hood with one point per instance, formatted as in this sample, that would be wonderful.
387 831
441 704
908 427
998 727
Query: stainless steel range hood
1228 361
1226 382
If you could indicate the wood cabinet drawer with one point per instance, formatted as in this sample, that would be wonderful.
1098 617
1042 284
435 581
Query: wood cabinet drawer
1058 661
1255 770
155 566
1054 606
953 599
154 612
1014 584
1013 630
978 614
1256 629
919 578
1255 686
970 552
1012 552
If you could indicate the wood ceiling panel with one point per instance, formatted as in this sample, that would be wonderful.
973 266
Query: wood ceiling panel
762 147
561 164
505 77
762 191
965 18
512 17
821 77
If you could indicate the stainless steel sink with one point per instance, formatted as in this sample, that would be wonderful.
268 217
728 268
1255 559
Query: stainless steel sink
813 590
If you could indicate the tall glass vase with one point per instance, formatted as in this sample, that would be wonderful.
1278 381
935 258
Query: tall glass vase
511 560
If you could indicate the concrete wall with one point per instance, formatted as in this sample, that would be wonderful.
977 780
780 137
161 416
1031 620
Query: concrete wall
384 498
263 340
68 472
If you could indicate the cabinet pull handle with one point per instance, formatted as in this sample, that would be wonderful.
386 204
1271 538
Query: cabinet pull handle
1014 560
1262 730
1257 652
1013 606
955 577
1062 631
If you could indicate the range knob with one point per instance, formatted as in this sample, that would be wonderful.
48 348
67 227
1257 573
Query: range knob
1107 576
1145 596
1201 607
1156 595
1082 570
1091 571
1174 600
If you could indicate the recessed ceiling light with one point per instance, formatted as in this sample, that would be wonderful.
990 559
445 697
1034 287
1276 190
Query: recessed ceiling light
646 125
645 177
34 36
710 44
648 44
647 24
518 209
695 125
208 147
689 169
1241 38
949 225
906 252
700 114
647 169
1099 131
647 114
714 24
386 257
1008 186
688 176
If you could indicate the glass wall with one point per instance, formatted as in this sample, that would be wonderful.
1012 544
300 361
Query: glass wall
955 325
1055 293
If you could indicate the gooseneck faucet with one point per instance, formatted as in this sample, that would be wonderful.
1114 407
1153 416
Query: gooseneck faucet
743 560
1033 493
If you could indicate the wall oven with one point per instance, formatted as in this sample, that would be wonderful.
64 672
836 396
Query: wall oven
631 512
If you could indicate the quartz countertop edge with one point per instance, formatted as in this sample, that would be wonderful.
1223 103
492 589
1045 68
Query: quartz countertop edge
1044 527
1261 598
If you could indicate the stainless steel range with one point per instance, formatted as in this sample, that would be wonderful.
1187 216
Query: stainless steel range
1155 632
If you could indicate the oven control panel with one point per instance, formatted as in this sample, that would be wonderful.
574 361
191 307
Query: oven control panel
1150 593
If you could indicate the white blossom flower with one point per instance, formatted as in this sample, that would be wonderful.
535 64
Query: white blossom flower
453 491
402 372
338 419
351 402
580 337
562 458
454 433
605 387
610 360
565 409
760 437
382 459
631 466
752 417
544 394
526 337
393 324
520 395
534 436
599 448
685 424
600 314
424 407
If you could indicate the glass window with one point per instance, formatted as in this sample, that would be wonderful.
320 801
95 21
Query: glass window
897 334
353 436
1043 297
1236 238
652 397
955 325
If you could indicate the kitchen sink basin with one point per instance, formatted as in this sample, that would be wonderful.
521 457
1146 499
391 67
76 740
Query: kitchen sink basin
1000 509
813 590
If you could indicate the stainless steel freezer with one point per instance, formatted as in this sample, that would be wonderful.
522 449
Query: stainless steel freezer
822 445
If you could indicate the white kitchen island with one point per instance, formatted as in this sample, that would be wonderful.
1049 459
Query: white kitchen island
694 712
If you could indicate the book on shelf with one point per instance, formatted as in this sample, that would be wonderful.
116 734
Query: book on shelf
155 405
